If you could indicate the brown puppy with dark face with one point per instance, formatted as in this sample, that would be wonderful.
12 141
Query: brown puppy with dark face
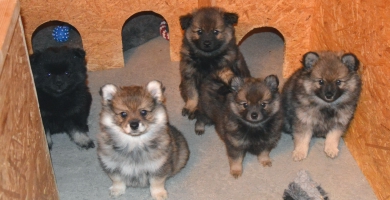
319 100
248 119
209 50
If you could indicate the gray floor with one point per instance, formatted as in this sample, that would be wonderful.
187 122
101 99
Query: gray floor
206 175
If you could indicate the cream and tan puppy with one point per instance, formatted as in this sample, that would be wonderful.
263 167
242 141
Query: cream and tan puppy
137 146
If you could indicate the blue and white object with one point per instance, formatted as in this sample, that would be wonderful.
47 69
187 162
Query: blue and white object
61 33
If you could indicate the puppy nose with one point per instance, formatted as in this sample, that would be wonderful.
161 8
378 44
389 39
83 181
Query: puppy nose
328 95
207 43
254 115
134 124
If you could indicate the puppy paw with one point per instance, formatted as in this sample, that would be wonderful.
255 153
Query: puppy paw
264 159
299 155
185 112
82 140
199 127
266 163
236 169
159 194
331 152
236 173
191 116
49 141
117 190
199 132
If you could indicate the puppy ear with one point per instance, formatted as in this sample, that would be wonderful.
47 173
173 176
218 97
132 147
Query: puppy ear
185 21
156 89
236 83
309 60
79 53
350 61
272 82
107 92
230 18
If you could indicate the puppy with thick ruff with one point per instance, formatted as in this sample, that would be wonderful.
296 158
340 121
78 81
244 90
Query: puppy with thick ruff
247 120
137 146
319 100
60 76
209 49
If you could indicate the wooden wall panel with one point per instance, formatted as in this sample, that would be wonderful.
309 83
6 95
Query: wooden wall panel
363 28
293 19
26 171
204 3
100 24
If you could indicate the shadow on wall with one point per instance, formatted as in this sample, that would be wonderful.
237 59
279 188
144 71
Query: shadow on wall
266 48
43 38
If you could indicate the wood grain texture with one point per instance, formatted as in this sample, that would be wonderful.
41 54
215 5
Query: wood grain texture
293 19
26 171
204 3
360 27
363 28
100 24
9 13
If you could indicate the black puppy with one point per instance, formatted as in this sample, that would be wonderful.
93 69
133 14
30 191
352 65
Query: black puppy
64 98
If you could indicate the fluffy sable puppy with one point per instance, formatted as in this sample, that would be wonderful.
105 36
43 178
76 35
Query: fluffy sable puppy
247 120
64 98
137 146
319 100
209 49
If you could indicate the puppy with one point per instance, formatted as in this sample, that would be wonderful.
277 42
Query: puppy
209 49
247 120
64 99
137 146
319 100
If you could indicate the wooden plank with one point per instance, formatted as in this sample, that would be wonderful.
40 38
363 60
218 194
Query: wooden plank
100 24
362 27
204 3
26 170
9 12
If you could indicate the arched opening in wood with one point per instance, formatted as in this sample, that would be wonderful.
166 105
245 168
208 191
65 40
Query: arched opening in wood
43 37
263 49
143 27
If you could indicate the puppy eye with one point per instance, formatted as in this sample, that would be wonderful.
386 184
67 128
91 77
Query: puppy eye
321 82
123 114
143 112
199 32
48 74
263 105
338 82
67 73
216 32
244 104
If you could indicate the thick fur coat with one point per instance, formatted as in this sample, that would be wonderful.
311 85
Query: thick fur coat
247 120
209 50
319 100
60 75
137 146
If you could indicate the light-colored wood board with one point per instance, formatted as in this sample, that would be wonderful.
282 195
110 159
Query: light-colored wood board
363 28
9 13
100 24
291 18
26 171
